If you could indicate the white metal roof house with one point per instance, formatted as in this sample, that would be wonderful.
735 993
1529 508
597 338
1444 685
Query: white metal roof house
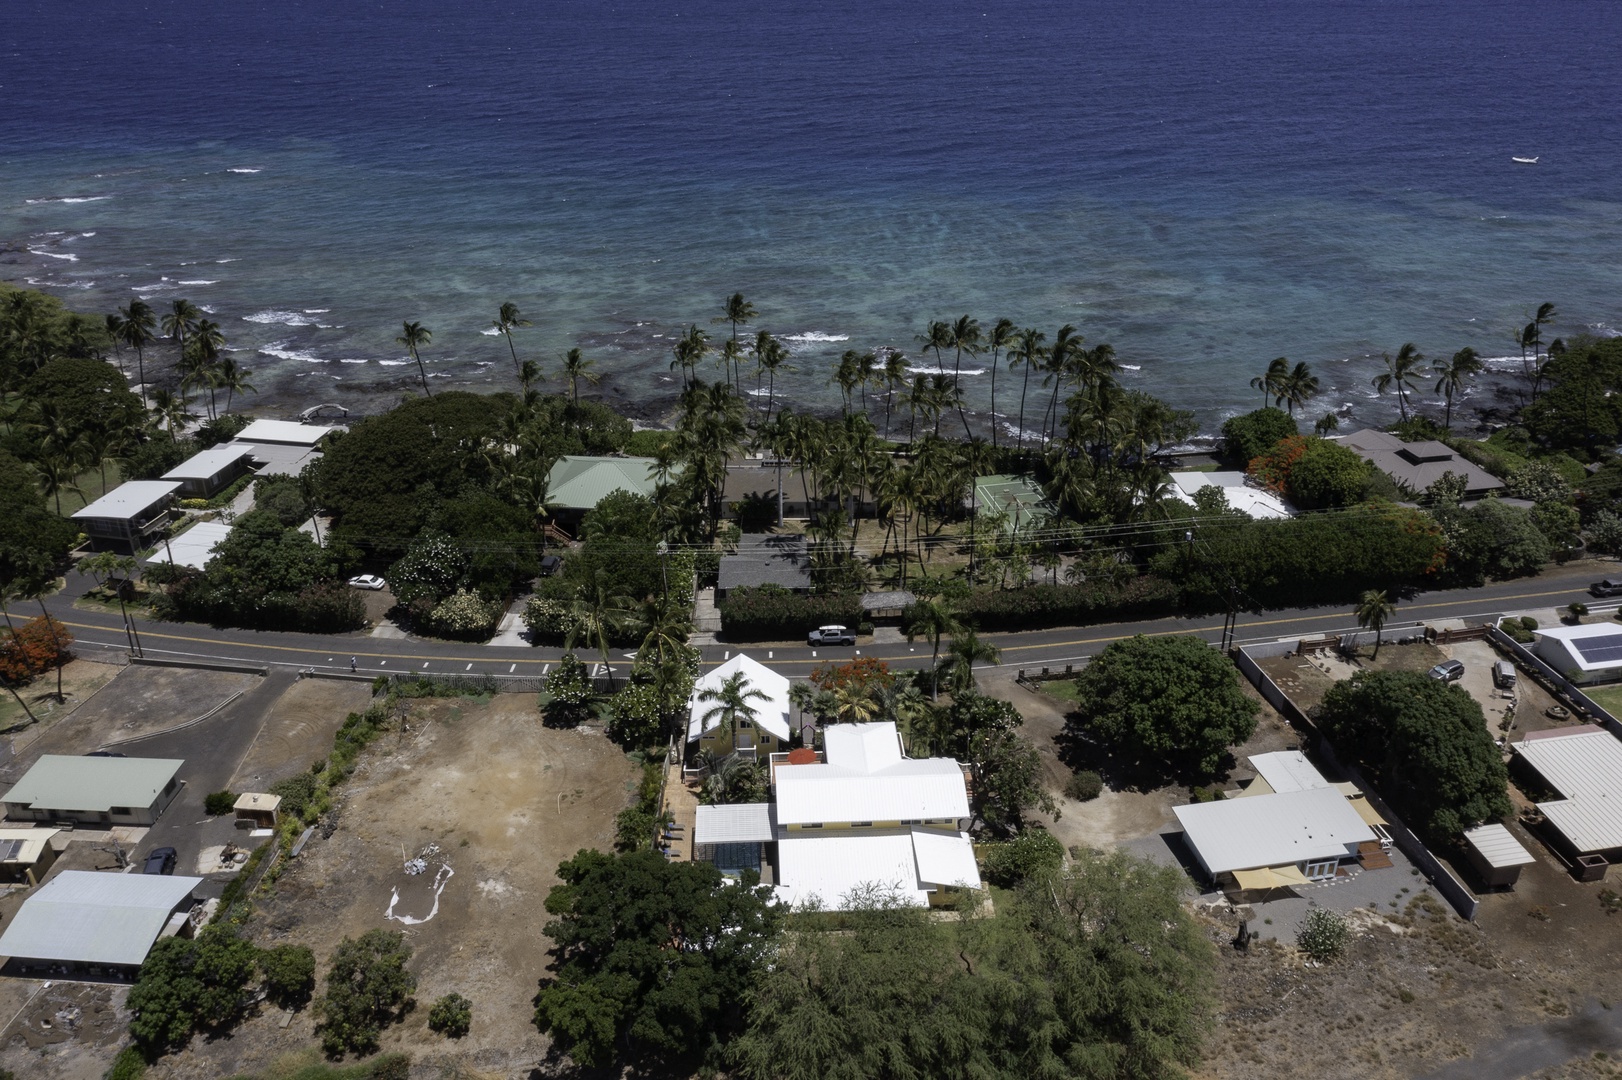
1241 491
1583 764
284 432
768 732
1296 827
1581 653
210 471
94 790
194 547
98 920
128 517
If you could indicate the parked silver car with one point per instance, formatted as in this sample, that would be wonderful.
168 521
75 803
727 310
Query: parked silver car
830 635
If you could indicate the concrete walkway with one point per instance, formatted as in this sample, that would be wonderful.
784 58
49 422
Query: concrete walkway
512 633
706 619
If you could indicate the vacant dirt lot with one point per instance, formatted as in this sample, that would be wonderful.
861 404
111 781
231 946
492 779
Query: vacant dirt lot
299 729
140 701
80 679
503 800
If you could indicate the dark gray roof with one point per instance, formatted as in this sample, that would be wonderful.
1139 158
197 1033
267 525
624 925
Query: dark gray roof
767 559
1418 465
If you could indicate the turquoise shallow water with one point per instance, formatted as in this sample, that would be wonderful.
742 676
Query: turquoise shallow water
1205 190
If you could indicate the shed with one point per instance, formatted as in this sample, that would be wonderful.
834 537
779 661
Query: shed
888 605
96 920
1496 855
26 855
257 811
194 547
1584 653
210 471
94 790
284 432
129 517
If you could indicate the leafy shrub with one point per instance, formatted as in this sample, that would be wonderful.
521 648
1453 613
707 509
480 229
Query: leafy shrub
1029 855
464 616
297 792
193 504
391 1067
569 693
368 987
1605 533
1323 934
1577 608
1516 631
130 1064
633 826
772 613
451 1016
1252 434
1038 606
220 802
432 568
1084 786
289 975
1528 623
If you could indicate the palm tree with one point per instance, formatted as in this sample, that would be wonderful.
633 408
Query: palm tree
965 651
597 613
1452 376
115 330
181 321
59 472
170 410
1028 352
204 351
576 368
965 338
1399 375
1372 611
413 336
846 376
1269 381
1545 314
1061 358
769 356
867 371
1298 387
999 338
732 700
896 371
506 321
138 325
934 619
939 338
689 351
737 311
235 380
732 359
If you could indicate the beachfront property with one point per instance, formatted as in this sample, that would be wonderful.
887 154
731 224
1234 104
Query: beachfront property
285 433
130 517
194 547
768 731
1289 827
97 923
769 485
208 472
1415 466
577 483
94 790
1241 491
857 820
1582 768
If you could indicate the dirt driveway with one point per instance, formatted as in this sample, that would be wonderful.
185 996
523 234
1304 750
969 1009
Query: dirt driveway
140 701
495 801
298 730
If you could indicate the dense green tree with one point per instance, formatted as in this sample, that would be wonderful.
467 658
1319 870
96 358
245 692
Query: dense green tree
1492 539
84 396
1425 745
1581 409
368 988
31 537
451 1016
1250 435
1271 382
432 568
569 694
187 984
1008 784
653 960
289 974
1169 704
1030 856
1328 475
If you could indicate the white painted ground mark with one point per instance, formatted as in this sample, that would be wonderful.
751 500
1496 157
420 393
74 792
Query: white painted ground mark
441 876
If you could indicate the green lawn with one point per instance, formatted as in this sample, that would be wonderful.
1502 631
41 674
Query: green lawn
90 483
1063 689
1608 698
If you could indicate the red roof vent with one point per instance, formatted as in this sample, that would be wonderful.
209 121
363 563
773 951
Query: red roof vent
802 756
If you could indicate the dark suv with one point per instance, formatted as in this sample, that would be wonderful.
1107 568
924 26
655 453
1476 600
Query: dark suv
1608 587
160 861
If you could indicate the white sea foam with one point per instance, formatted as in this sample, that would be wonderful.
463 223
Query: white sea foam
1131 367
227 260
354 361
815 336
394 363
491 332
943 370
54 255
280 351
87 234
285 318
199 281
70 199
153 288
316 310
244 170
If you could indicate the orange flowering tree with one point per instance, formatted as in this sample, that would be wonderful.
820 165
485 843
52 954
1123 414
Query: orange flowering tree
1272 469
864 675
32 649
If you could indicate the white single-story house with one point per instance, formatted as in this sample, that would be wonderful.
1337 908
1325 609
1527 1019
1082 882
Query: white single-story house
1581 653
768 732
194 547
1241 491
94 790
100 921
284 432
129 517
213 470
1291 826
1584 765
867 818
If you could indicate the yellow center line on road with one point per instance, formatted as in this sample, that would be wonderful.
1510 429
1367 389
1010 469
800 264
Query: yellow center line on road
332 652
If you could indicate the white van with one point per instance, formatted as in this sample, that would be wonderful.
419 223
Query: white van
1503 675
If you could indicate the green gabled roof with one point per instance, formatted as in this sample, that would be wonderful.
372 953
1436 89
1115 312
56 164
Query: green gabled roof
580 483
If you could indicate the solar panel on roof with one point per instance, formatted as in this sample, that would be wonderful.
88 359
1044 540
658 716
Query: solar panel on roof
1599 650
9 849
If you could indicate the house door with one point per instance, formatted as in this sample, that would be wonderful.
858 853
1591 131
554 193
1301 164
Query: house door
746 736
1319 871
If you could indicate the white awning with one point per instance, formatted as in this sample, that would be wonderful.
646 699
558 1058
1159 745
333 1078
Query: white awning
945 858
741 823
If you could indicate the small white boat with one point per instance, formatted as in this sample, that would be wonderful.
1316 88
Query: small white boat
1525 160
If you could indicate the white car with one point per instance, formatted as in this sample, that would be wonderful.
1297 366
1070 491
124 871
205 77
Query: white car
367 581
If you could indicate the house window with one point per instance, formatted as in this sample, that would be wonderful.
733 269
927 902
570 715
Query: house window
812 825
745 724
861 824
1322 869
124 810
913 821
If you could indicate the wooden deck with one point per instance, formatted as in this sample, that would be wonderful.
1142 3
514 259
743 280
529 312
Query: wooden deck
1371 856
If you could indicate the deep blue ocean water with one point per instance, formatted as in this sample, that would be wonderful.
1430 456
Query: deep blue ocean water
1204 186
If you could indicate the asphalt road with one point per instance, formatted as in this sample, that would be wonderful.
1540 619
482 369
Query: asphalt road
1034 649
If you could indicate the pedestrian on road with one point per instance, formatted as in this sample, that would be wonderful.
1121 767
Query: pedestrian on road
351 663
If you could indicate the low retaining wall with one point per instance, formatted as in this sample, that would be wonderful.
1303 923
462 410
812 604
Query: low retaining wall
242 667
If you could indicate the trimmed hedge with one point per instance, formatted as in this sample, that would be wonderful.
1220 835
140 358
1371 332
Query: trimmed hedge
773 613
1037 607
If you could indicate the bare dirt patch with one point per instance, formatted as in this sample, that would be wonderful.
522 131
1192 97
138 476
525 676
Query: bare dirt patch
141 700
503 800
300 726
65 1030
80 679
